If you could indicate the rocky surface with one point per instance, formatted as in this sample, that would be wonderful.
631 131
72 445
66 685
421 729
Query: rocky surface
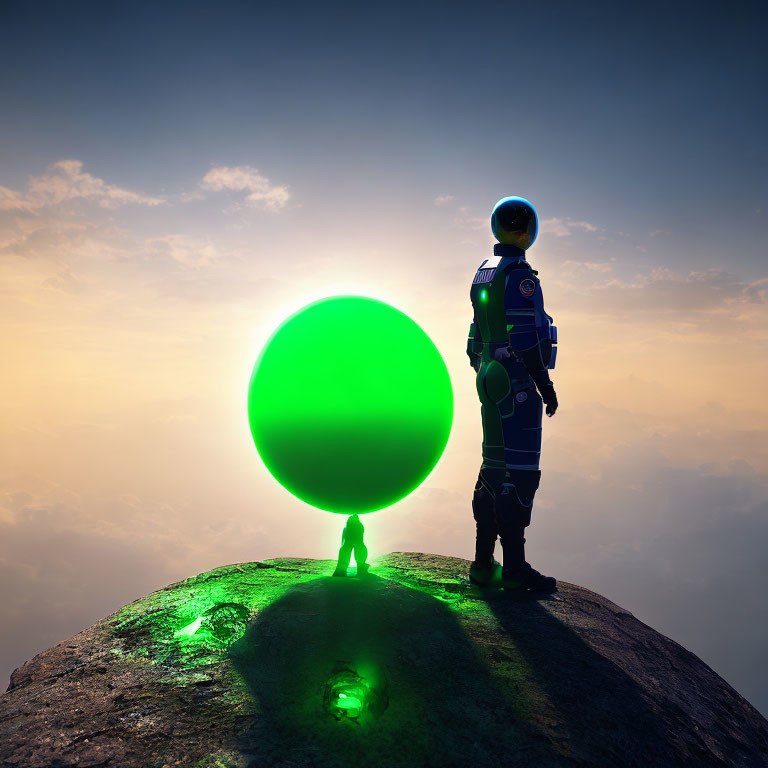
279 664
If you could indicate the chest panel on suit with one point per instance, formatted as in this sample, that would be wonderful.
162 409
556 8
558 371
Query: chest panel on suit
487 295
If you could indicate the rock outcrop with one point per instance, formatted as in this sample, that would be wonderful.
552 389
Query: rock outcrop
277 663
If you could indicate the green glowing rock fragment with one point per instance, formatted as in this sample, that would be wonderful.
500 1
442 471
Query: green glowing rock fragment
221 624
346 695
190 629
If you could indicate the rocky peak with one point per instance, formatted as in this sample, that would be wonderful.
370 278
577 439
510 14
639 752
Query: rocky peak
278 663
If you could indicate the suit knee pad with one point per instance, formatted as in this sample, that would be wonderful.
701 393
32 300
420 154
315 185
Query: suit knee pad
525 482
482 505
517 494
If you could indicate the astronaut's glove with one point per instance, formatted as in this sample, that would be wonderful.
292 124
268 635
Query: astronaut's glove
546 390
550 401
499 350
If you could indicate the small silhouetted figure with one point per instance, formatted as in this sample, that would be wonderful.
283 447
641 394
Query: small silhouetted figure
352 538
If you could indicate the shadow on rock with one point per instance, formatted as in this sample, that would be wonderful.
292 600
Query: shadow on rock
596 712
431 699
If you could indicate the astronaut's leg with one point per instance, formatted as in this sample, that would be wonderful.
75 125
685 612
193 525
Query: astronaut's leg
361 555
485 519
343 563
484 568
493 387
522 446
513 508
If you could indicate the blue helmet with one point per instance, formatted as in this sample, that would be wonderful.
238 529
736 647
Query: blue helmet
514 221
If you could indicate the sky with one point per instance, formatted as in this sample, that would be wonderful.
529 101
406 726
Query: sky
178 178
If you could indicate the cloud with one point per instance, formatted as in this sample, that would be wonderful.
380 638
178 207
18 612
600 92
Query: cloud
244 178
467 221
65 181
443 199
661 290
577 267
757 291
13 201
30 236
190 251
565 227
190 197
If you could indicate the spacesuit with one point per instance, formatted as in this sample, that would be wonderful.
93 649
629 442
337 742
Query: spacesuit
511 346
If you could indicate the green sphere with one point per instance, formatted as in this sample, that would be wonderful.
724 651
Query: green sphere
350 404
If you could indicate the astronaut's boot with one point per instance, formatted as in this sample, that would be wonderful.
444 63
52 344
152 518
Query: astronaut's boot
484 570
513 510
527 577
485 574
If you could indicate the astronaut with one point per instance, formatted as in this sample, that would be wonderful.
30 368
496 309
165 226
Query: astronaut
511 346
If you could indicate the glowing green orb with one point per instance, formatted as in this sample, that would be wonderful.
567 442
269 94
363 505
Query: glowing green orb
350 404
